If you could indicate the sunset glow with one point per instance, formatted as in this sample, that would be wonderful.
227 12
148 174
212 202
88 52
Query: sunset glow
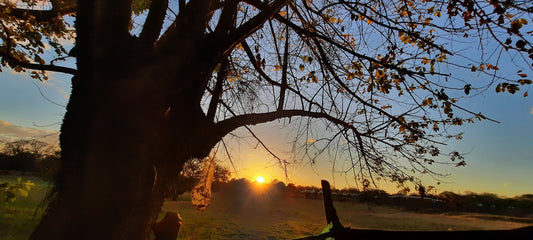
260 179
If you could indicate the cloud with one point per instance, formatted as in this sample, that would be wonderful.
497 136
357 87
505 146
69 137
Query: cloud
10 132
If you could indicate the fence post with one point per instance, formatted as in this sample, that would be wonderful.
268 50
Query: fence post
331 214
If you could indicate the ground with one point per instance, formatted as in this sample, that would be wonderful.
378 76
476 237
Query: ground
264 216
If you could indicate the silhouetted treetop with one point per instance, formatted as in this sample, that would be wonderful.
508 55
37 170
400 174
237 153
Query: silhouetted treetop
386 77
374 85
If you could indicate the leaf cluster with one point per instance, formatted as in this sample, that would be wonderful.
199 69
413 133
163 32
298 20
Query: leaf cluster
9 191
32 29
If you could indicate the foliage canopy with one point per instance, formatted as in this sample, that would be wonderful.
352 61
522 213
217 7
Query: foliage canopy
385 79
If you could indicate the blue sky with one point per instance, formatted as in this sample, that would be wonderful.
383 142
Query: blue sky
23 106
499 155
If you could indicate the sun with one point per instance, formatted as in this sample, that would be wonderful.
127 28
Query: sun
260 179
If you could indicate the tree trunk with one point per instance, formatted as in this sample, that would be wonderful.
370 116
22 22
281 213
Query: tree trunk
133 119
122 142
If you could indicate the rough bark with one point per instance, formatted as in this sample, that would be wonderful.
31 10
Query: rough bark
121 145
133 119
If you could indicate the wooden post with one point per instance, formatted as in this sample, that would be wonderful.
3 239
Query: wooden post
339 232
331 214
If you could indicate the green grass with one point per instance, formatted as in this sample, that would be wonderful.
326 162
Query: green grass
289 218
264 217
19 218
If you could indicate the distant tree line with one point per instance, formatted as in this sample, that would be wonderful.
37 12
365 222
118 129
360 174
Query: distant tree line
431 203
488 202
34 157
29 157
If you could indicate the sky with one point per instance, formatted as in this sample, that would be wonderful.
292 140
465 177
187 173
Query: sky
499 156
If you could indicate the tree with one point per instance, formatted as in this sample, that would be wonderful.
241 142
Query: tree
191 176
25 155
158 82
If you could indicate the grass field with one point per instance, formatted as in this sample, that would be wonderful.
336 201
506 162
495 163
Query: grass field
18 218
289 218
265 217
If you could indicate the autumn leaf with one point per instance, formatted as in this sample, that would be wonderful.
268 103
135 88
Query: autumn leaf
461 163
524 81
489 66
307 59
467 88
520 44
201 193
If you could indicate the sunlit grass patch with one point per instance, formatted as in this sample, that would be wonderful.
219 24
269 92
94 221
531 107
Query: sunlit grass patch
20 217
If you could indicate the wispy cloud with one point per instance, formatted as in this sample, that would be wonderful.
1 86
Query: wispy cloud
10 132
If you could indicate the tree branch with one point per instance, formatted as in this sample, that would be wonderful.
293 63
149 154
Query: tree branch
270 80
281 162
392 27
215 96
15 62
233 123
343 85
40 15
191 21
338 45
226 22
284 70
247 28
153 23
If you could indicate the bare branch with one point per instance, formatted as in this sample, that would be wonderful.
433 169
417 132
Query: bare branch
328 65
196 13
227 18
390 26
153 23
15 62
270 80
233 123
338 45
215 96
247 28
280 161
285 65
